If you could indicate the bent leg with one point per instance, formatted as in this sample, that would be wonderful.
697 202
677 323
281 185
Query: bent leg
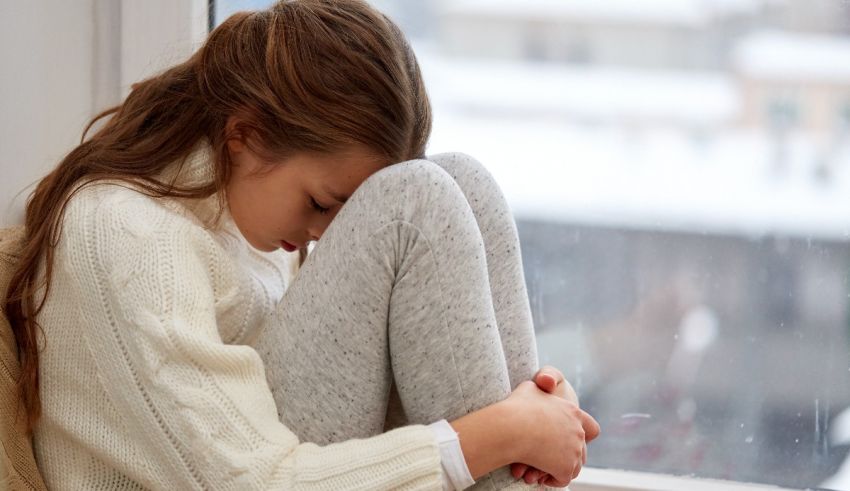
504 261
397 288
504 264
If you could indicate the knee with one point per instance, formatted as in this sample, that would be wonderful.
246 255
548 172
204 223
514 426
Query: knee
411 179
459 163
414 187
466 170
477 183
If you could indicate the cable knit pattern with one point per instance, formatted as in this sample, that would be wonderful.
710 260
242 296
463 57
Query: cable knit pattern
147 379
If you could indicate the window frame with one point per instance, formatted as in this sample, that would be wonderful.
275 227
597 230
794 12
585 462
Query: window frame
594 479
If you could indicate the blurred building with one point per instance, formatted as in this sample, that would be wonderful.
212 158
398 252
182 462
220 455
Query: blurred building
797 80
825 16
791 78
683 34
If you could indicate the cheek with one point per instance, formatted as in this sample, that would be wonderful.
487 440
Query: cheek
268 216
295 216
321 222
283 214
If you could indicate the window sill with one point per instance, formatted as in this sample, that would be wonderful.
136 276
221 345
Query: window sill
592 479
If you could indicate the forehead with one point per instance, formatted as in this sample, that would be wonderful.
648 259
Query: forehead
339 173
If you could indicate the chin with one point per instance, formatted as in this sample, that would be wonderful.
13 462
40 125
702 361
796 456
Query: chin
269 249
262 246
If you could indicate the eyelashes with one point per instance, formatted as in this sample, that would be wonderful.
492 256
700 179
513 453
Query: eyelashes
317 206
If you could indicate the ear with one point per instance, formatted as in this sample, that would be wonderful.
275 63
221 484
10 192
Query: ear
235 142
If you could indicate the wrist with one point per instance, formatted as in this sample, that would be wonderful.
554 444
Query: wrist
488 438
515 429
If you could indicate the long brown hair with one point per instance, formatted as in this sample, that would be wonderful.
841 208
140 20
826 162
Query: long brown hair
303 75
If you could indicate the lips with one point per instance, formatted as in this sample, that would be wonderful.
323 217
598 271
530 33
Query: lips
287 246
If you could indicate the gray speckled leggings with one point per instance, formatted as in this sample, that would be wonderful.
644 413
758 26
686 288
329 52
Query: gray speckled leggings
411 308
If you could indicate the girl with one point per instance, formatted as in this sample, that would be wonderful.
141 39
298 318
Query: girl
179 349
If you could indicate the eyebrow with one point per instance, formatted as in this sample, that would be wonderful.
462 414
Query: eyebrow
339 197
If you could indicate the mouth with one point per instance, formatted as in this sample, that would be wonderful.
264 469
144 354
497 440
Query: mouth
287 246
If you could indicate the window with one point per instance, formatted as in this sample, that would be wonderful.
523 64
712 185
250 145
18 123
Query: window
222 9
783 113
844 117
694 290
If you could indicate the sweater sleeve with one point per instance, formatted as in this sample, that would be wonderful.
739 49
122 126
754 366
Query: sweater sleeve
150 282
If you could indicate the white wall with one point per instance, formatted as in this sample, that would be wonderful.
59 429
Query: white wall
62 62
46 61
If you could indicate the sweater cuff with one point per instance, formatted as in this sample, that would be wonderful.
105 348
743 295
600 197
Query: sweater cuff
456 474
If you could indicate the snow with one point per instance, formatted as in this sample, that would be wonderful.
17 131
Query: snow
794 56
655 180
527 124
582 92
693 13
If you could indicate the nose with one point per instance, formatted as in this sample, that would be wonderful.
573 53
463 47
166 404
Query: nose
316 228
314 234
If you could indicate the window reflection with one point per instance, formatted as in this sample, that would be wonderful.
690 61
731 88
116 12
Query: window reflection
706 370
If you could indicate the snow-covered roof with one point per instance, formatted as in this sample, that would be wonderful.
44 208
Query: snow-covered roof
794 56
576 92
659 179
677 12
724 180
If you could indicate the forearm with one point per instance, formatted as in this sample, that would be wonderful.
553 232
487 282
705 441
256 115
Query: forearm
487 439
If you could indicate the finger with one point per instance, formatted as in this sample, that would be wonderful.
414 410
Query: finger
555 483
576 470
584 454
543 479
554 372
567 391
550 372
518 470
546 382
532 476
590 426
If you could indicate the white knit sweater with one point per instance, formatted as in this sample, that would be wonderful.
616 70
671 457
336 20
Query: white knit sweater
146 377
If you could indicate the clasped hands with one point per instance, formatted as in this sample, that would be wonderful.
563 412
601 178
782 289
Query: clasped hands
549 379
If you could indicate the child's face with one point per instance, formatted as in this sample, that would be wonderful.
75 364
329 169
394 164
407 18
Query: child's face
275 204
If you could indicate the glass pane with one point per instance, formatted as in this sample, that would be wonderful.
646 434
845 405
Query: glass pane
222 9
680 174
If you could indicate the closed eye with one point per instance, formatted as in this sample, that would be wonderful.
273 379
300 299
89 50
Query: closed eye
321 209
